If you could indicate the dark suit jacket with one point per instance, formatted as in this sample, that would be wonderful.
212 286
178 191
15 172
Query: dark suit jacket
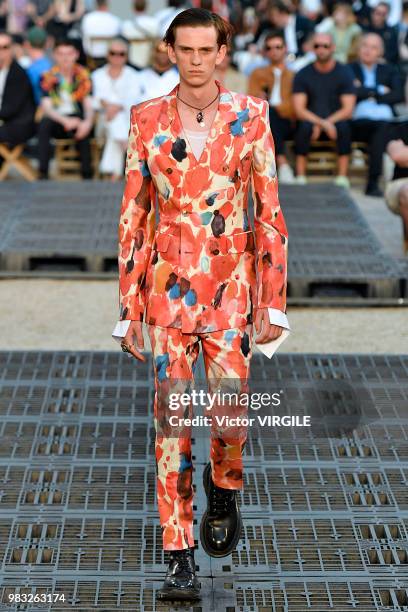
18 98
386 74
303 27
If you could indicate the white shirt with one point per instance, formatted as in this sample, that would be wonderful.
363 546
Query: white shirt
153 84
124 90
3 77
275 97
99 23
165 17
290 35
139 28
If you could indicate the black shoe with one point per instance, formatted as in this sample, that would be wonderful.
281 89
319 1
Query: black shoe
221 525
373 190
43 176
181 581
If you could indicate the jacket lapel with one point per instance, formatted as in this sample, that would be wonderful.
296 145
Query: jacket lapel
226 127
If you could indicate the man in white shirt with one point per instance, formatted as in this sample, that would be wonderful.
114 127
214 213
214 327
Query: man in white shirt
142 26
103 23
159 78
116 87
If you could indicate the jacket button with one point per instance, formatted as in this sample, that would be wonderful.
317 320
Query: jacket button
185 213
125 221
169 170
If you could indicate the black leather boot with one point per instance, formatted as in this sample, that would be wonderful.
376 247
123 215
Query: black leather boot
181 582
220 528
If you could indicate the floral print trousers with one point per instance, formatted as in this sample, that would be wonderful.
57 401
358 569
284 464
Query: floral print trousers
227 354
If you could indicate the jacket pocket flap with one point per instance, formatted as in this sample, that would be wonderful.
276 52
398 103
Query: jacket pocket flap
162 242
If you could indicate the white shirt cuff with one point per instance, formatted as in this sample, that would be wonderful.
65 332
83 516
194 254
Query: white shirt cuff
277 317
121 329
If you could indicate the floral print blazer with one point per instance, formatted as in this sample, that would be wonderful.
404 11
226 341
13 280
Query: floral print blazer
202 267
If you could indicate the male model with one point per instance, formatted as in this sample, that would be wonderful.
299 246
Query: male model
202 275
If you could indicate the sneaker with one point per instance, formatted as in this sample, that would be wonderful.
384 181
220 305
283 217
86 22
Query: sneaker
181 582
301 179
285 174
373 190
342 181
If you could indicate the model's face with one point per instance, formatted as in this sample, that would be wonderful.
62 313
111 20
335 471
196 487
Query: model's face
275 50
370 50
323 47
196 54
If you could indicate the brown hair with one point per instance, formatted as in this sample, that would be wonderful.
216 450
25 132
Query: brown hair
195 17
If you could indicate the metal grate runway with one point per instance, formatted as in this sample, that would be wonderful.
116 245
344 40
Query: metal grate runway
325 518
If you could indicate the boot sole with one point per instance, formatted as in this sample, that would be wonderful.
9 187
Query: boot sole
177 595
210 551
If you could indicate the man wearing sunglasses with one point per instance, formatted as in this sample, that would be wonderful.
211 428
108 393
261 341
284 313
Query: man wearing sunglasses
324 99
116 87
274 83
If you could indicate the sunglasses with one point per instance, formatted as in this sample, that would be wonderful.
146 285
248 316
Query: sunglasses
3 47
118 53
271 47
324 45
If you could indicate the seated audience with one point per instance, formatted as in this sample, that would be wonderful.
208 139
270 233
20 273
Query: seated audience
323 98
274 83
99 23
389 34
40 62
296 27
396 192
115 88
403 39
17 105
344 30
229 76
141 26
67 107
160 77
39 12
166 15
378 87
67 13
13 16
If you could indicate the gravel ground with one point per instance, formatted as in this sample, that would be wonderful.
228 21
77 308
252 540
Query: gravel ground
80 315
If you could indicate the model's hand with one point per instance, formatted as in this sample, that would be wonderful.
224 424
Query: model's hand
135 331
269 331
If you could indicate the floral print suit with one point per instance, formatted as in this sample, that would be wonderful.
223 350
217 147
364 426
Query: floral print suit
201 273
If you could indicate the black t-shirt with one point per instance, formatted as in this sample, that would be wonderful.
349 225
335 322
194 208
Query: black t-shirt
323 89
400 131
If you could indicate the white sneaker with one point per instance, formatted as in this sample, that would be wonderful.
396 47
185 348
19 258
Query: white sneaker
301 179
342 181
285 174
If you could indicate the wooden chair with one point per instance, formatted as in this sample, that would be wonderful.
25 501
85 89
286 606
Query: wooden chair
14 158
68 163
